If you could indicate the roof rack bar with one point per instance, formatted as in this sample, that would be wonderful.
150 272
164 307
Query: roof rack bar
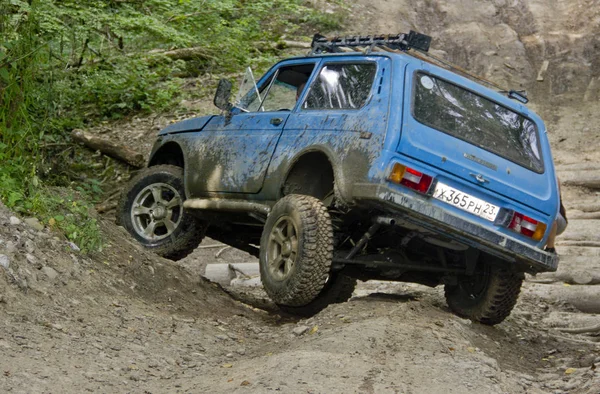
402 41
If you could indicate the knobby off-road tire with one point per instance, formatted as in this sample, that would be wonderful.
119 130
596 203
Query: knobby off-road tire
339 288
296 250
488 296
151 210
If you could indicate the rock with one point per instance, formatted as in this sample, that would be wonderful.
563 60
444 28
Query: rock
10 247
222 337
50 272
300 330
15 220
31 259
73 246
34 223
587 361
4 261
29 246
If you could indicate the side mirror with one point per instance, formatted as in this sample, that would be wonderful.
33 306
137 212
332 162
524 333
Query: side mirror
222 95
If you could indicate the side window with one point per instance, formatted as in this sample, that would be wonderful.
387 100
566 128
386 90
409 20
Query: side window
341 86
281 96
280 92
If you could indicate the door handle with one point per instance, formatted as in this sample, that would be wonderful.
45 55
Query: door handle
276 121
479 178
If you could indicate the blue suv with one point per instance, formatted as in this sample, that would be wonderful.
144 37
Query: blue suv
378 163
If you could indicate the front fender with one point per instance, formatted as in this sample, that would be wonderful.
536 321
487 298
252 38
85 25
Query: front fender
194 124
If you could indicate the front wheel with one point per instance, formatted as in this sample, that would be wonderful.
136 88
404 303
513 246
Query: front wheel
488 296
151 210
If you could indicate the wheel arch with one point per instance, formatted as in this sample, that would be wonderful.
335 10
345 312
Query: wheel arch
169 153
306 164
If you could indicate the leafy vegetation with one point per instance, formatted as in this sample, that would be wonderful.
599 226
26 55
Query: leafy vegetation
67 64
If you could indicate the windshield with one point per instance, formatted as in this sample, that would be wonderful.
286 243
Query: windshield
477 120
279 92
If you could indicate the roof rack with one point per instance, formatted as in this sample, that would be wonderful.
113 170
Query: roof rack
402 42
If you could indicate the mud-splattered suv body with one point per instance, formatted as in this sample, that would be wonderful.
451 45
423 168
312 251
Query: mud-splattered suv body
426 175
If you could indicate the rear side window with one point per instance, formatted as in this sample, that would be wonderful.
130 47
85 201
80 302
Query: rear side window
341 86
477 120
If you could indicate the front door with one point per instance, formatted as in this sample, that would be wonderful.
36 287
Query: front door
234 151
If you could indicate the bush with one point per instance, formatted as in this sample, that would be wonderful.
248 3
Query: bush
66 64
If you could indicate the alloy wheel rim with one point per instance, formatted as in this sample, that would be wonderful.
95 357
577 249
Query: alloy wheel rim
156 211
282 248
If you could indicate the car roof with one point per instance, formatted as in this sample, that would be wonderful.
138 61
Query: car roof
453 74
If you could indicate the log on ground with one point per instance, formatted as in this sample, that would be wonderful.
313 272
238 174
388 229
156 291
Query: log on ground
109 148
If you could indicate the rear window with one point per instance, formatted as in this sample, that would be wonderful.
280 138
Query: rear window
477 120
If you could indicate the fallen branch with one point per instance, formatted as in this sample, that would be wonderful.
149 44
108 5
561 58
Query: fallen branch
581 330
210 246
221 251
106 207
293 45
184 53
109 148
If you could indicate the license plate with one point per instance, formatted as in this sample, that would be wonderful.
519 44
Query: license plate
465 201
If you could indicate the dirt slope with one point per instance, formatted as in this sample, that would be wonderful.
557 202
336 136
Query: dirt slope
126 321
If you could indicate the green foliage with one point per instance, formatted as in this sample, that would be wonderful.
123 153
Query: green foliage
67 63
74 220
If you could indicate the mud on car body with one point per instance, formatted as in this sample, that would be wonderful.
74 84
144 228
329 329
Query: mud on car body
365 165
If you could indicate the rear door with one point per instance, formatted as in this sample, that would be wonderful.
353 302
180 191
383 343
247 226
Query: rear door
478 141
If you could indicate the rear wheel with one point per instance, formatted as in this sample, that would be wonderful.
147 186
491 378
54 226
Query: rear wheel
488 296
296 250
151 210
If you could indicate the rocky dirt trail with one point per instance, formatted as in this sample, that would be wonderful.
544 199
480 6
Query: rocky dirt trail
123 320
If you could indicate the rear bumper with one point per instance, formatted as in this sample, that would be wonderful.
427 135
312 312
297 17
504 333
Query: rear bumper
418 210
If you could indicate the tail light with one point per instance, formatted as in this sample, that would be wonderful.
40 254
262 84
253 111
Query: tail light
527 226
410 178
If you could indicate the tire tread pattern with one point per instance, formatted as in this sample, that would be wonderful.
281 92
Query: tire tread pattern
495 305
315 252
338 290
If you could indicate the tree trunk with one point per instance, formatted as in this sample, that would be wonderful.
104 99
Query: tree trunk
109 148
